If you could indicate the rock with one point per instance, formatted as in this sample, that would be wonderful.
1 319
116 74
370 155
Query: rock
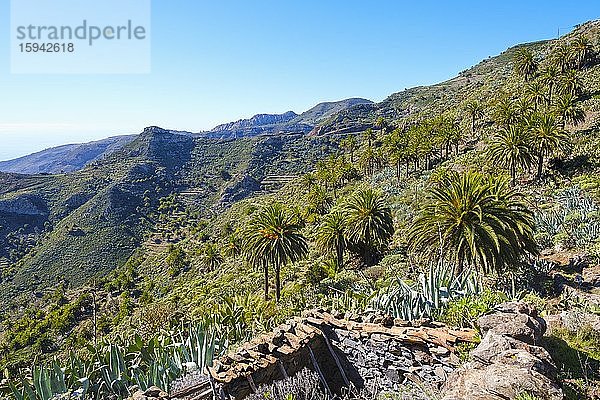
500 382
493 348
154 391
517 320
507 362
591 276
516 307
139 395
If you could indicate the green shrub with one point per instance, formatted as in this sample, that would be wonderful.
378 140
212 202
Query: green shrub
465 311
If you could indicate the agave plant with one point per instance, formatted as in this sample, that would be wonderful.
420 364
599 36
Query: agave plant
429 296
574 219
110 370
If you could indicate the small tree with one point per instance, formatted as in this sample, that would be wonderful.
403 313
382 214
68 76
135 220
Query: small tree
475 221
525 63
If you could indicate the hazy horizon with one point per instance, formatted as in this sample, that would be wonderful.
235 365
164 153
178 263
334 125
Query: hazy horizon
226 62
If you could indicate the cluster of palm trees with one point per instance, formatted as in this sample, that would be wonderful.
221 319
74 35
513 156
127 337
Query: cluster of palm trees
275 237
416 145
423 142
469 218
532 127
573 55
362 224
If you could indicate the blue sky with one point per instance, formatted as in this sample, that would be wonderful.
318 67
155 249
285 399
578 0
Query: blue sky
213 62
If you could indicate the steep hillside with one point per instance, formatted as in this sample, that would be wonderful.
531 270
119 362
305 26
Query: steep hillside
90 221
67 158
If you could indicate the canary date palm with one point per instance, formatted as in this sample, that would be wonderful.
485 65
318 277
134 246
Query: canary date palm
274 239
331 236
511 148
474 221
370 222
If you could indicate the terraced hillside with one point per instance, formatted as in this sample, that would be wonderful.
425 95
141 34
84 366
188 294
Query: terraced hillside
70 227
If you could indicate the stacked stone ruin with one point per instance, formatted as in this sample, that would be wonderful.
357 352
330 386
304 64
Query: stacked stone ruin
356 350
342 349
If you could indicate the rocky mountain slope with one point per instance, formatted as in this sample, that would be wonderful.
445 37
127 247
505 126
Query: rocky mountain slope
288 122
156 229
66 158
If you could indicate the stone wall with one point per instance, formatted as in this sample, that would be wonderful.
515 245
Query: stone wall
341 349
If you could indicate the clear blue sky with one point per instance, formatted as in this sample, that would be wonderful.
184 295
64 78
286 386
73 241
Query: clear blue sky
216 61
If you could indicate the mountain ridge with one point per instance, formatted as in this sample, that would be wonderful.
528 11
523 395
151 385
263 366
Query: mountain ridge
65 158
73 157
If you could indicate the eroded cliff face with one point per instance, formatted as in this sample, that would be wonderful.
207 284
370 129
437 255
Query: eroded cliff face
24 205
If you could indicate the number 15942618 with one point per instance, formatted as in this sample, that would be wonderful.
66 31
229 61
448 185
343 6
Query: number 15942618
47 47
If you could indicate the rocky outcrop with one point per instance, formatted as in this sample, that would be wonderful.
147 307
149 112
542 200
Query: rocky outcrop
508 361
25 205
240 190
342 349
152 393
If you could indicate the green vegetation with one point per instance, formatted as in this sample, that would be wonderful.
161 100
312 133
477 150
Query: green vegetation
437 212
274 240
475 222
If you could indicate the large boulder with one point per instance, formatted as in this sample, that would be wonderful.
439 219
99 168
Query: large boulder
507 362
517 320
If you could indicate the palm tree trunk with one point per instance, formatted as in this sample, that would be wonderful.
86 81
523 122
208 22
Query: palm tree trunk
340 257
266 271
277 283
513 174
540 166
473 124
459 266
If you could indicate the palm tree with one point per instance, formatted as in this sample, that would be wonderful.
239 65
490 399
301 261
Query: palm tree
474 221
370 223
369 136
525 63
309 180
475 111
525 108
506 112
331 236
349 144
562 57
568 110
367 160
273 239
510 148
570 82
547 137
381 124
211 256
233 248
581 51
535 93
396 147
550 77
